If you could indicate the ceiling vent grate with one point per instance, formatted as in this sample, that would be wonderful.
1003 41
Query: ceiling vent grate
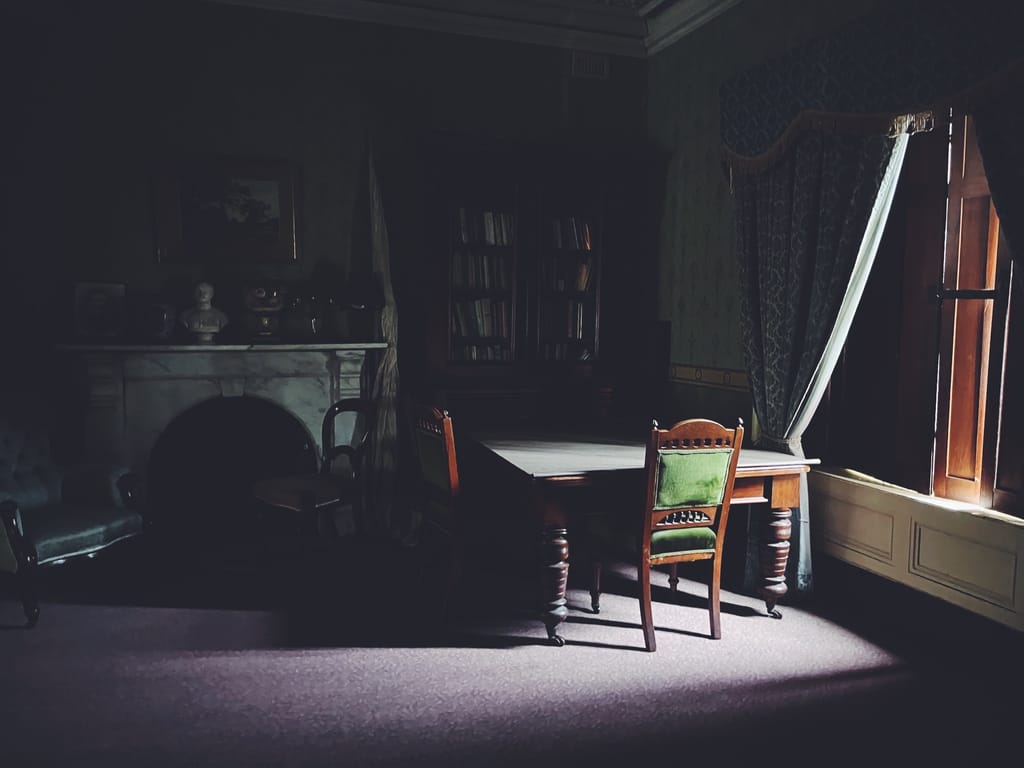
594 66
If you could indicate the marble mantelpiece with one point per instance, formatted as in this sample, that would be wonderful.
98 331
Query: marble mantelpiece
134 391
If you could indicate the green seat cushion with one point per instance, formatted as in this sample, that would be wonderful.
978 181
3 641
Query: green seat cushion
682 540
63 530
692 477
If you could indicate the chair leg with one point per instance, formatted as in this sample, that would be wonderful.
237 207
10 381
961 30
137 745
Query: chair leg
439 566
454 575
595 586
713 601
27 591
673 577
646 618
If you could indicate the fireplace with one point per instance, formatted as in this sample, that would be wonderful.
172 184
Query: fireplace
145 402
202 467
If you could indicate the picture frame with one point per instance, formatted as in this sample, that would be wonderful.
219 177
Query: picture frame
99 310
218 210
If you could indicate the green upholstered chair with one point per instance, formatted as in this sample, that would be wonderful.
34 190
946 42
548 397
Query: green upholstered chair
690 470
51 513
434 439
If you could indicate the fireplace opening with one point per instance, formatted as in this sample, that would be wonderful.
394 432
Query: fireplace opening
203 466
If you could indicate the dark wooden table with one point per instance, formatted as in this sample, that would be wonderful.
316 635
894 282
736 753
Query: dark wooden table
542 465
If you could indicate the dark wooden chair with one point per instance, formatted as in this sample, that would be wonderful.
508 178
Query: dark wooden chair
434 439
339 481
691 470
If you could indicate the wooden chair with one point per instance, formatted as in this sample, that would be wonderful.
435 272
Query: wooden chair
690 469
312 497
434 440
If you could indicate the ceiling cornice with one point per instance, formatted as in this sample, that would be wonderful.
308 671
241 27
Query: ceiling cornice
680 19
623 28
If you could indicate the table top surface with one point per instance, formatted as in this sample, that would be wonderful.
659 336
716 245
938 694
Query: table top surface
558 455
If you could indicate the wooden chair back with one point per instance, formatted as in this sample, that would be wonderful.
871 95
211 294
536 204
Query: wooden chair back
691 470
435 450
363 413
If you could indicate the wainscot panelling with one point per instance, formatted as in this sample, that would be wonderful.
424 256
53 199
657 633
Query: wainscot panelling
968 556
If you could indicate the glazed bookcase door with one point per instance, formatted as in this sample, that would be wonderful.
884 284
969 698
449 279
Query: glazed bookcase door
482 273
568 281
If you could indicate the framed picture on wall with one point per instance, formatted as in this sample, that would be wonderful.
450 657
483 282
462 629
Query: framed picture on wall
99 310
225 210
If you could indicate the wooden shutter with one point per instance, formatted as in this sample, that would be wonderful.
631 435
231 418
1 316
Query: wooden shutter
967 298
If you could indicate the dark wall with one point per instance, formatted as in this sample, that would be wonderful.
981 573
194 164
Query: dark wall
96 94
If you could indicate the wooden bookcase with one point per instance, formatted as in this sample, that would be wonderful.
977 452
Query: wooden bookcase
521 263
482 279
523 277
568 274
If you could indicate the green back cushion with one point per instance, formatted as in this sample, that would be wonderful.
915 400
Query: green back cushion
433 460
691 477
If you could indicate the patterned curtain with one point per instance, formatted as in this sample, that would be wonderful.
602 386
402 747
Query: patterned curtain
383 452
807 230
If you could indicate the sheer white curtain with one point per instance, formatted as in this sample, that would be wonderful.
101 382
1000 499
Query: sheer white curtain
858 279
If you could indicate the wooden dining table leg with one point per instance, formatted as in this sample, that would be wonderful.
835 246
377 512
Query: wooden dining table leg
774 558
784 494
554 560
555 575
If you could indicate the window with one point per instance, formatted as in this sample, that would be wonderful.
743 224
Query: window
926 394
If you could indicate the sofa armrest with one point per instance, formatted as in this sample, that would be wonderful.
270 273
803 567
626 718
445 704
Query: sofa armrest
16 551
100 484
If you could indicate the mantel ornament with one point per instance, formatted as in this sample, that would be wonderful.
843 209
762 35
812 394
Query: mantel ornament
204 320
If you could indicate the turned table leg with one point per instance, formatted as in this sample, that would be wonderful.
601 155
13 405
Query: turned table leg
774 556
555 575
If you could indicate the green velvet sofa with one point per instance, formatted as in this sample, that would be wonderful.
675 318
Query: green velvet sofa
51 513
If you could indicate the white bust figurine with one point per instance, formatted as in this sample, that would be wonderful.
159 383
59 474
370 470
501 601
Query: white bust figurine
204 320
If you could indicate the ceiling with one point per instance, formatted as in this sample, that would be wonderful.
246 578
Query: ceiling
637 28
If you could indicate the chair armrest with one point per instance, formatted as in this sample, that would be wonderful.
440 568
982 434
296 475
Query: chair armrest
16 551
101 484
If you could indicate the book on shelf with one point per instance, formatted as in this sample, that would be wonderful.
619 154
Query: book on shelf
485 270
488 219
501 234
486 320
574 320
508 228
583 275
